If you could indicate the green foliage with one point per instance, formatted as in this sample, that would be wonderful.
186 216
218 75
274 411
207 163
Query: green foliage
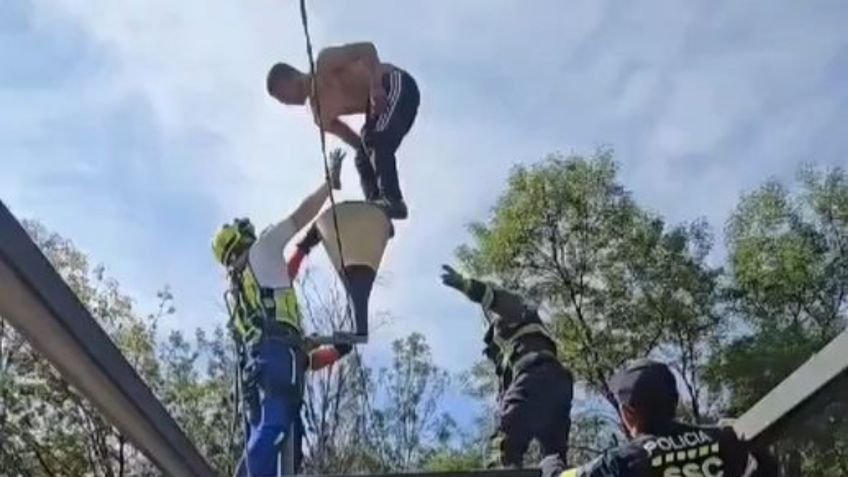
614 280
788 282
408 425
616 284
452 460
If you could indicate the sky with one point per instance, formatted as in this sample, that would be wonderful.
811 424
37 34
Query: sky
137 128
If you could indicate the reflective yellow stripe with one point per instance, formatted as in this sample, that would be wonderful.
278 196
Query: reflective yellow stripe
570 473
260 304
508 346
287 310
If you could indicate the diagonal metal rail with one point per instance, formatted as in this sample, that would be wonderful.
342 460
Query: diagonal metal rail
41 306
820 378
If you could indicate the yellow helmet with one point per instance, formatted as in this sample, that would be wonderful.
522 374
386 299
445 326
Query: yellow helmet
232 240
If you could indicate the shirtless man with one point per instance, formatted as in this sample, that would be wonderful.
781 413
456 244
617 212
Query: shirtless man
352 80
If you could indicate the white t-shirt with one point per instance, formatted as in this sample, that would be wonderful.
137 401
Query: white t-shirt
266 255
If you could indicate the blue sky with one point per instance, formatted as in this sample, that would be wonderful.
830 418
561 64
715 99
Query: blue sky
137 128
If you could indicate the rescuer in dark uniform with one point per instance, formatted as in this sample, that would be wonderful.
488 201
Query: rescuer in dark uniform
534 398
662 447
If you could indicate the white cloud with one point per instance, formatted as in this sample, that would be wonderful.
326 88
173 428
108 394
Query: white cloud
702 100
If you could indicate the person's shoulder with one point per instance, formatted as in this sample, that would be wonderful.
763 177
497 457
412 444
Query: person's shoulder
634 455
626 460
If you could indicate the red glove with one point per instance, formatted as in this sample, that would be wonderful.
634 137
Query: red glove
310 240
327 355
293 265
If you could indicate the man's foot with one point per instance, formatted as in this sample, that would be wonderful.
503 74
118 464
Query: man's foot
336 157
394 208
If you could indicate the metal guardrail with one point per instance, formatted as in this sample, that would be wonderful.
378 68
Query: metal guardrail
811 380
467 473
41 306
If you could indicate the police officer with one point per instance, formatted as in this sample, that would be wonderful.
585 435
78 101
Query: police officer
661 446
534 399
266 324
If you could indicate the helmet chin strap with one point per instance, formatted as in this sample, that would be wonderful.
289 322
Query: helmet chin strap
239 262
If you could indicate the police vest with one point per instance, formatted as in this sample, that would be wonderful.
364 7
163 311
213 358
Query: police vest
697 452
258 309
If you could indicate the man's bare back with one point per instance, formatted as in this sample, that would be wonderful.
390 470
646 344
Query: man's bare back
345 90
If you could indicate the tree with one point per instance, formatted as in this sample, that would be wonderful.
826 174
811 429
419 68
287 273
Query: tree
407 420
48 429
615 283
786 291
787 285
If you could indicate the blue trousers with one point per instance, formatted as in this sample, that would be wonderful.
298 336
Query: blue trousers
272 401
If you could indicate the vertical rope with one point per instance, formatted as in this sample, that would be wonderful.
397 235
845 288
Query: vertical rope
313 80
314 90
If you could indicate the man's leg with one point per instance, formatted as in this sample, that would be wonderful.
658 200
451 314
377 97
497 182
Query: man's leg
512 435
276 391
388 131
536 405
554 406
367 178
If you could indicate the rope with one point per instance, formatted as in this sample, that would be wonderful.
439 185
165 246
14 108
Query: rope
323 137
314 90
238 409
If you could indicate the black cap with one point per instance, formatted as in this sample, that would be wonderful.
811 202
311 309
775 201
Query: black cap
648 386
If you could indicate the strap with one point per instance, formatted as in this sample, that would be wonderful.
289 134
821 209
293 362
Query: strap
531 358
509 345
488 298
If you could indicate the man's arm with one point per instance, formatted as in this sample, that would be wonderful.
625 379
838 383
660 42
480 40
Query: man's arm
310 240
341 130
506 304
309 208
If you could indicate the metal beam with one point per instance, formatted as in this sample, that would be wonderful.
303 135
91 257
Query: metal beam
41 306
530 472
810 381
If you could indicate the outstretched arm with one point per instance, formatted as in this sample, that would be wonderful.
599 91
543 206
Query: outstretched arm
303 248
506 304
309 208
341 130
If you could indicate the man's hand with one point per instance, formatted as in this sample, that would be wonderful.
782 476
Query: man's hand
336 157
338 128
310 240
454 279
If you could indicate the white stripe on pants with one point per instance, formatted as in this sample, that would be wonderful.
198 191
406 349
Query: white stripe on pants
395 82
